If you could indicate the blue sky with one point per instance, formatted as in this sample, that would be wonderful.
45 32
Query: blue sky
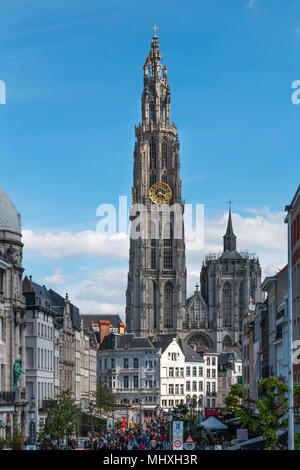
73 72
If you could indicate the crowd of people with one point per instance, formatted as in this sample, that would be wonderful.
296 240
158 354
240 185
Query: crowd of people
152 436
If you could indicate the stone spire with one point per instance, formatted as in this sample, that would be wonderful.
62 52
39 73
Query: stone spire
229 239
156 289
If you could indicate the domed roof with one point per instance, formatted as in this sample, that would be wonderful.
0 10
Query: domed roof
9 217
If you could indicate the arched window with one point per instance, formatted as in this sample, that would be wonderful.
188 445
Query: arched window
168 304
227 343
154 306
168 234
242 295
164 154
151 112
227 304
152 155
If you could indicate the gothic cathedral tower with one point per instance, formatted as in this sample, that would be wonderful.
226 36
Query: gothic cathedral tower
156 290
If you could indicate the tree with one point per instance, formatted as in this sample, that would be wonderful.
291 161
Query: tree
104 397
18 439
63 418
238 404
272 405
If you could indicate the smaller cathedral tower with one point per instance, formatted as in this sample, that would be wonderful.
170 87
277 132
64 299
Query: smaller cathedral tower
228 281
229 239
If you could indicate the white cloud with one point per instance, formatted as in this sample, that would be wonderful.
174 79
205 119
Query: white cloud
262 232
102 292
251 3
297 30
57 278
88 244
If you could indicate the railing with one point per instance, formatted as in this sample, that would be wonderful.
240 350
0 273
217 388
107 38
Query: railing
43 404
194 324
8 397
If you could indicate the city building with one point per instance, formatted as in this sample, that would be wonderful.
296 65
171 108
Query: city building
13 398
93 347
171 361
186 376
272 328
265 335
129 365
295 246
68 321
40 350
102 325
88 363
230 372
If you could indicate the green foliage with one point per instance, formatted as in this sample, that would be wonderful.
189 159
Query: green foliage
297 394
237 403
105 399
297 442
3 443
272 406
63 418
17 440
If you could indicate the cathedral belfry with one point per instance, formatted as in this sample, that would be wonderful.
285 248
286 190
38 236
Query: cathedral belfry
156 289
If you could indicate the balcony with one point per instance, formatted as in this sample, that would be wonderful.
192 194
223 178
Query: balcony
211 394
8 397
43 405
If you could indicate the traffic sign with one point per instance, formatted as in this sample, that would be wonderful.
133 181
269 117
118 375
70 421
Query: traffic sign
178 429
189 440
177 444
189 446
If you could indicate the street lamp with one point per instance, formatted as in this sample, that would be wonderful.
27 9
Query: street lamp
127 405
91 407
191 413
291 430
178 414
113 418
32 425
200 410
170 419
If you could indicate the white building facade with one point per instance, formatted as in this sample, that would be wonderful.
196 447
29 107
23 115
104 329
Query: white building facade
129 365
40 350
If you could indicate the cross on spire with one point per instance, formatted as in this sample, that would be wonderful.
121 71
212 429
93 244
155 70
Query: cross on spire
155 28
229 203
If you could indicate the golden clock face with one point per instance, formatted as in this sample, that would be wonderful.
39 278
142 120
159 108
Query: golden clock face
160 193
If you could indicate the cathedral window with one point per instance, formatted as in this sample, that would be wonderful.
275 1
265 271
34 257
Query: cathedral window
152 179
227 342
168 234
168 259
1 280
227 304
164 154
153 259
152 155
154 306
151 112
168 302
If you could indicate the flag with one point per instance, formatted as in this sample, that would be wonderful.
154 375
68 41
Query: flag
147 62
